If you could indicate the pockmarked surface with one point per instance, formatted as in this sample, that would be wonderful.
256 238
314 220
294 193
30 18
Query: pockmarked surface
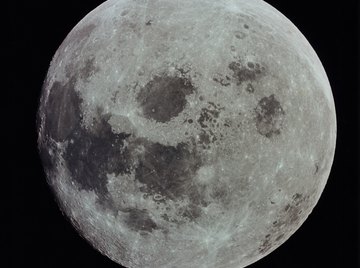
186 133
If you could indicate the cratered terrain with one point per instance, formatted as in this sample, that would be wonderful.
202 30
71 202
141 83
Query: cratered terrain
186 133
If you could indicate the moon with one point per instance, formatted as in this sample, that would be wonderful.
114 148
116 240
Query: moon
186 133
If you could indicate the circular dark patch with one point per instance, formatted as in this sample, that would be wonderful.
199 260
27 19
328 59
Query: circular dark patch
251 65
164 97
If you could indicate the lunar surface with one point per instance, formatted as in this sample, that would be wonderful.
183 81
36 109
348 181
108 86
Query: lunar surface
186 133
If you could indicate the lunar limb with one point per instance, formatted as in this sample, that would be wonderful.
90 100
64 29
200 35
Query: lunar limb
173 139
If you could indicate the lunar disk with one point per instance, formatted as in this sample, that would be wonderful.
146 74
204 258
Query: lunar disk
186 133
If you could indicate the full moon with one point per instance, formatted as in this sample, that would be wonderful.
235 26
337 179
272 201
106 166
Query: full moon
181 133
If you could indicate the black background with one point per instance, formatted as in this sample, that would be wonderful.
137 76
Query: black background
40 235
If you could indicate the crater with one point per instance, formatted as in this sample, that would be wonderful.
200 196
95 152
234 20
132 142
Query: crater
269 116
164 97
124 13
251 65
240 35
